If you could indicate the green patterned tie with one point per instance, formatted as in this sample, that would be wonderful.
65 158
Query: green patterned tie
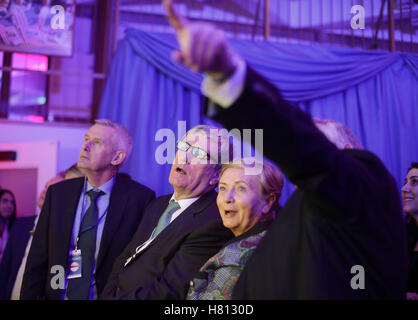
165 218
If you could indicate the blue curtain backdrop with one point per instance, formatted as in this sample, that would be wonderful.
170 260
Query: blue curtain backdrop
374 93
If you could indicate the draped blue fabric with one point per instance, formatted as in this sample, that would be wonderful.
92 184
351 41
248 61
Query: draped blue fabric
374 93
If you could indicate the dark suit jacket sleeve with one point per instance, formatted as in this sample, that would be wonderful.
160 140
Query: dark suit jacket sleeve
180 270
36 270
302 152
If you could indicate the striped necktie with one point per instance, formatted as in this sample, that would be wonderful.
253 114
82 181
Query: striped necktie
79 288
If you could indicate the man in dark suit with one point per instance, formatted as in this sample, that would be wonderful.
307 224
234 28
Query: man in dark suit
340 235
85 223
162 259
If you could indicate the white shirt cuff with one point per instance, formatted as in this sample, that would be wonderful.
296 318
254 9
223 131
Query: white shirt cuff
227 92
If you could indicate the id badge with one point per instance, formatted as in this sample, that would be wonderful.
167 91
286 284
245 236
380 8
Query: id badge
75 265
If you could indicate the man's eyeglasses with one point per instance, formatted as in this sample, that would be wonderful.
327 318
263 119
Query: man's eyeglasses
196 152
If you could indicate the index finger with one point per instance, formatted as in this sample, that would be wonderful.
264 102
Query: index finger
176 20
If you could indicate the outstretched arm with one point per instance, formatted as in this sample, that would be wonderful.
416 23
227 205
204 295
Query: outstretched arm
203 47
290 138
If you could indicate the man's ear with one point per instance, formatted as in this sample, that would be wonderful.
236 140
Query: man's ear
215 178
118 158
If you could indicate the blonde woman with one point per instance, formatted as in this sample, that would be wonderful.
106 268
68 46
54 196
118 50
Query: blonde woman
247 204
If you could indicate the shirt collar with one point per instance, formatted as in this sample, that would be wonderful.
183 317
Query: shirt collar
106 187
184 203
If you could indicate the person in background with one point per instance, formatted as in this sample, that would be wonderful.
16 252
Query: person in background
247 203
86 222
71 173
410 207
17 249
7 217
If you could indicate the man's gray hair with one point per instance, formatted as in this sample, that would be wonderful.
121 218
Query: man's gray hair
122 140
338 134
225 150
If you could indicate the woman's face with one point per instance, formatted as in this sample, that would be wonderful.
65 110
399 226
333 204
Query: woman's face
410 193
7 205
240 200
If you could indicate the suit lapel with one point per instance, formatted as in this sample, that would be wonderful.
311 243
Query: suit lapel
70 203
117 204
204 201
154 218
150 220
184 217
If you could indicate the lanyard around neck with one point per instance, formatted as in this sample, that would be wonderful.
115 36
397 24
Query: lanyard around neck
84 213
